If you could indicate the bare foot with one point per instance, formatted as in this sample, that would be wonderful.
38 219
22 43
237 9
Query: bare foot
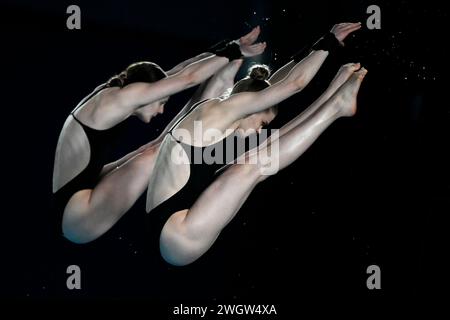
343 74
346 94
339 79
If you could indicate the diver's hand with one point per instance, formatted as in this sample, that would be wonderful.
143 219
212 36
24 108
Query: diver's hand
248 49
342 30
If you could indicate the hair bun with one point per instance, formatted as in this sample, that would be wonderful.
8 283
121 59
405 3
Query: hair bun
259 72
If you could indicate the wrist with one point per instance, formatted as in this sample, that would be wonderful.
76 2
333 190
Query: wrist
329 42
230 50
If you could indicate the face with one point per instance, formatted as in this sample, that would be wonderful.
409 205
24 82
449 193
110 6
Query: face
147 112
255 122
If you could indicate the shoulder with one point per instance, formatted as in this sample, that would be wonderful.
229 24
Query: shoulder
208 106
95 111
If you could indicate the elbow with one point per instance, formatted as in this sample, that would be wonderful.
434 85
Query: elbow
301 82
298 84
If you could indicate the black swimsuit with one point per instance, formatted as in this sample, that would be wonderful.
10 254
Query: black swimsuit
201 176
101 143
201 173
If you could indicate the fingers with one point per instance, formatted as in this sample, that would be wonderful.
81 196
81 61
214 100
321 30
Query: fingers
251 36
259 47
342 30
256 49
246 43
351 24
353 27
350 27
254 34
348 24
342 27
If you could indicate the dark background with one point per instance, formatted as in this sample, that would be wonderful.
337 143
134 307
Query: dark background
372 190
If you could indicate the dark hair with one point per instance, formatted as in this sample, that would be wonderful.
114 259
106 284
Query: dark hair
138 72
256 80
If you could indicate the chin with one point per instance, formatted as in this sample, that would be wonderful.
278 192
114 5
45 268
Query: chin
145 119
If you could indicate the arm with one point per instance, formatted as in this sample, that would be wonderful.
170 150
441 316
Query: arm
211 88
122 102
221 81
129 98
282 72
245 40
340 31
183 64
240 105
232 109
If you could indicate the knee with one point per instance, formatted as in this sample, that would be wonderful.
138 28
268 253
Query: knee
264 163
176 246
177 253
76 228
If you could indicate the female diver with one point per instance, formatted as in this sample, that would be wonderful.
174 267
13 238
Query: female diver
199 200
92 195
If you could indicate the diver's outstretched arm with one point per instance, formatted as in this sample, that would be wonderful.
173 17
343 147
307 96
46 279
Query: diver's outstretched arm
282 72
231 110
221 81
238 106
340 31
187 62
245 40
119 103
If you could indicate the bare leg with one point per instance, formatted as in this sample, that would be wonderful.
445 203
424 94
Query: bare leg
340 78
91 212
188 234
342 104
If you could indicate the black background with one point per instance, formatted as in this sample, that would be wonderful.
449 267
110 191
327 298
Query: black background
372 190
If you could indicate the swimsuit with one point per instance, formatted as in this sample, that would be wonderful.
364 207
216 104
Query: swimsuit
101 143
